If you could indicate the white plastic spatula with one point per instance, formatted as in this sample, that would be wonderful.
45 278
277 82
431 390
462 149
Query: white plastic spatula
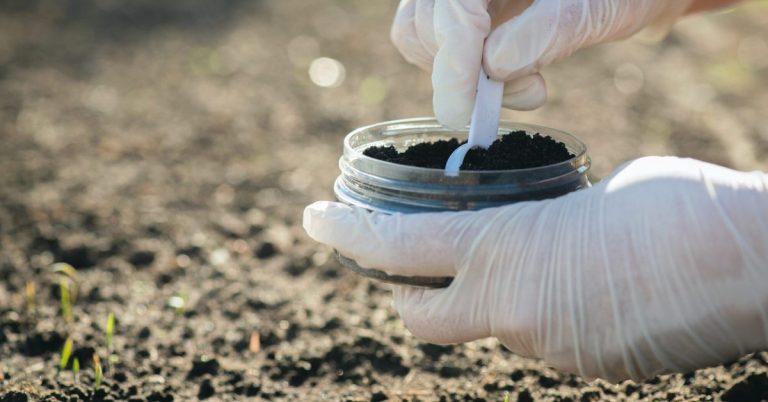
484 126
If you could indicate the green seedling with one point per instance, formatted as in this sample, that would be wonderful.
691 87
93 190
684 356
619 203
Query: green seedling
506 397
110 332
65 269
97 371
30 293
66 303
76 369
66 352
68 272
110 329
184 298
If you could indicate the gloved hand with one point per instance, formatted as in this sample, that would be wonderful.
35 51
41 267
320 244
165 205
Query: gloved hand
661 267
446 37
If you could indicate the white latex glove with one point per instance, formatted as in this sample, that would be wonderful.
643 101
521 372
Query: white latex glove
446 37
661 267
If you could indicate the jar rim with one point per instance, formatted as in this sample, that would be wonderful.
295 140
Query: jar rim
352 152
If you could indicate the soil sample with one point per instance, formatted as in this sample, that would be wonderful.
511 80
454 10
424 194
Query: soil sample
516 150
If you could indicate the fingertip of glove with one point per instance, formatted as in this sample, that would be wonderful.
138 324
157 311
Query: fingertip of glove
451 110
409 303
319 215
527 93
435 316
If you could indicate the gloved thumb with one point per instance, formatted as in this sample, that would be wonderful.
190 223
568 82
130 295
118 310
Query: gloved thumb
527 93
425 244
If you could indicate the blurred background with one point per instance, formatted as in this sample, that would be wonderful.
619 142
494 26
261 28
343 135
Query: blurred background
165 149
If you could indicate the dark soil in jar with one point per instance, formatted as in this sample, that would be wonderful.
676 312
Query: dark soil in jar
515 150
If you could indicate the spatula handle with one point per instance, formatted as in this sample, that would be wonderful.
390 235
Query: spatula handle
484 126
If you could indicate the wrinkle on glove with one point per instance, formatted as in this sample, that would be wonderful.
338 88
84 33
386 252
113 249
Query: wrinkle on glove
659 268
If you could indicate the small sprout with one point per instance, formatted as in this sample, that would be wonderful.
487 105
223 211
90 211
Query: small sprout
66 352
76 369
97 371
66 303
506 397
67 272
65 269
178 302
110 329
31 296
110 332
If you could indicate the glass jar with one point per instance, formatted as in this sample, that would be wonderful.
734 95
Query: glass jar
393 188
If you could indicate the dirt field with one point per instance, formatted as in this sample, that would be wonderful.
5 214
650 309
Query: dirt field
166 150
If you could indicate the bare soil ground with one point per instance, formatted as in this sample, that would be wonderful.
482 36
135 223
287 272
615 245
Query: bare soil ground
166 150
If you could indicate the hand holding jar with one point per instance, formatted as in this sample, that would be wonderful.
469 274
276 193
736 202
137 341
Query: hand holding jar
660 267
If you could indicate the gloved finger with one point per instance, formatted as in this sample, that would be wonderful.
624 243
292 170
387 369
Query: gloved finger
424 19
406 39
461 27
414 244
452 315
527 93
526 43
